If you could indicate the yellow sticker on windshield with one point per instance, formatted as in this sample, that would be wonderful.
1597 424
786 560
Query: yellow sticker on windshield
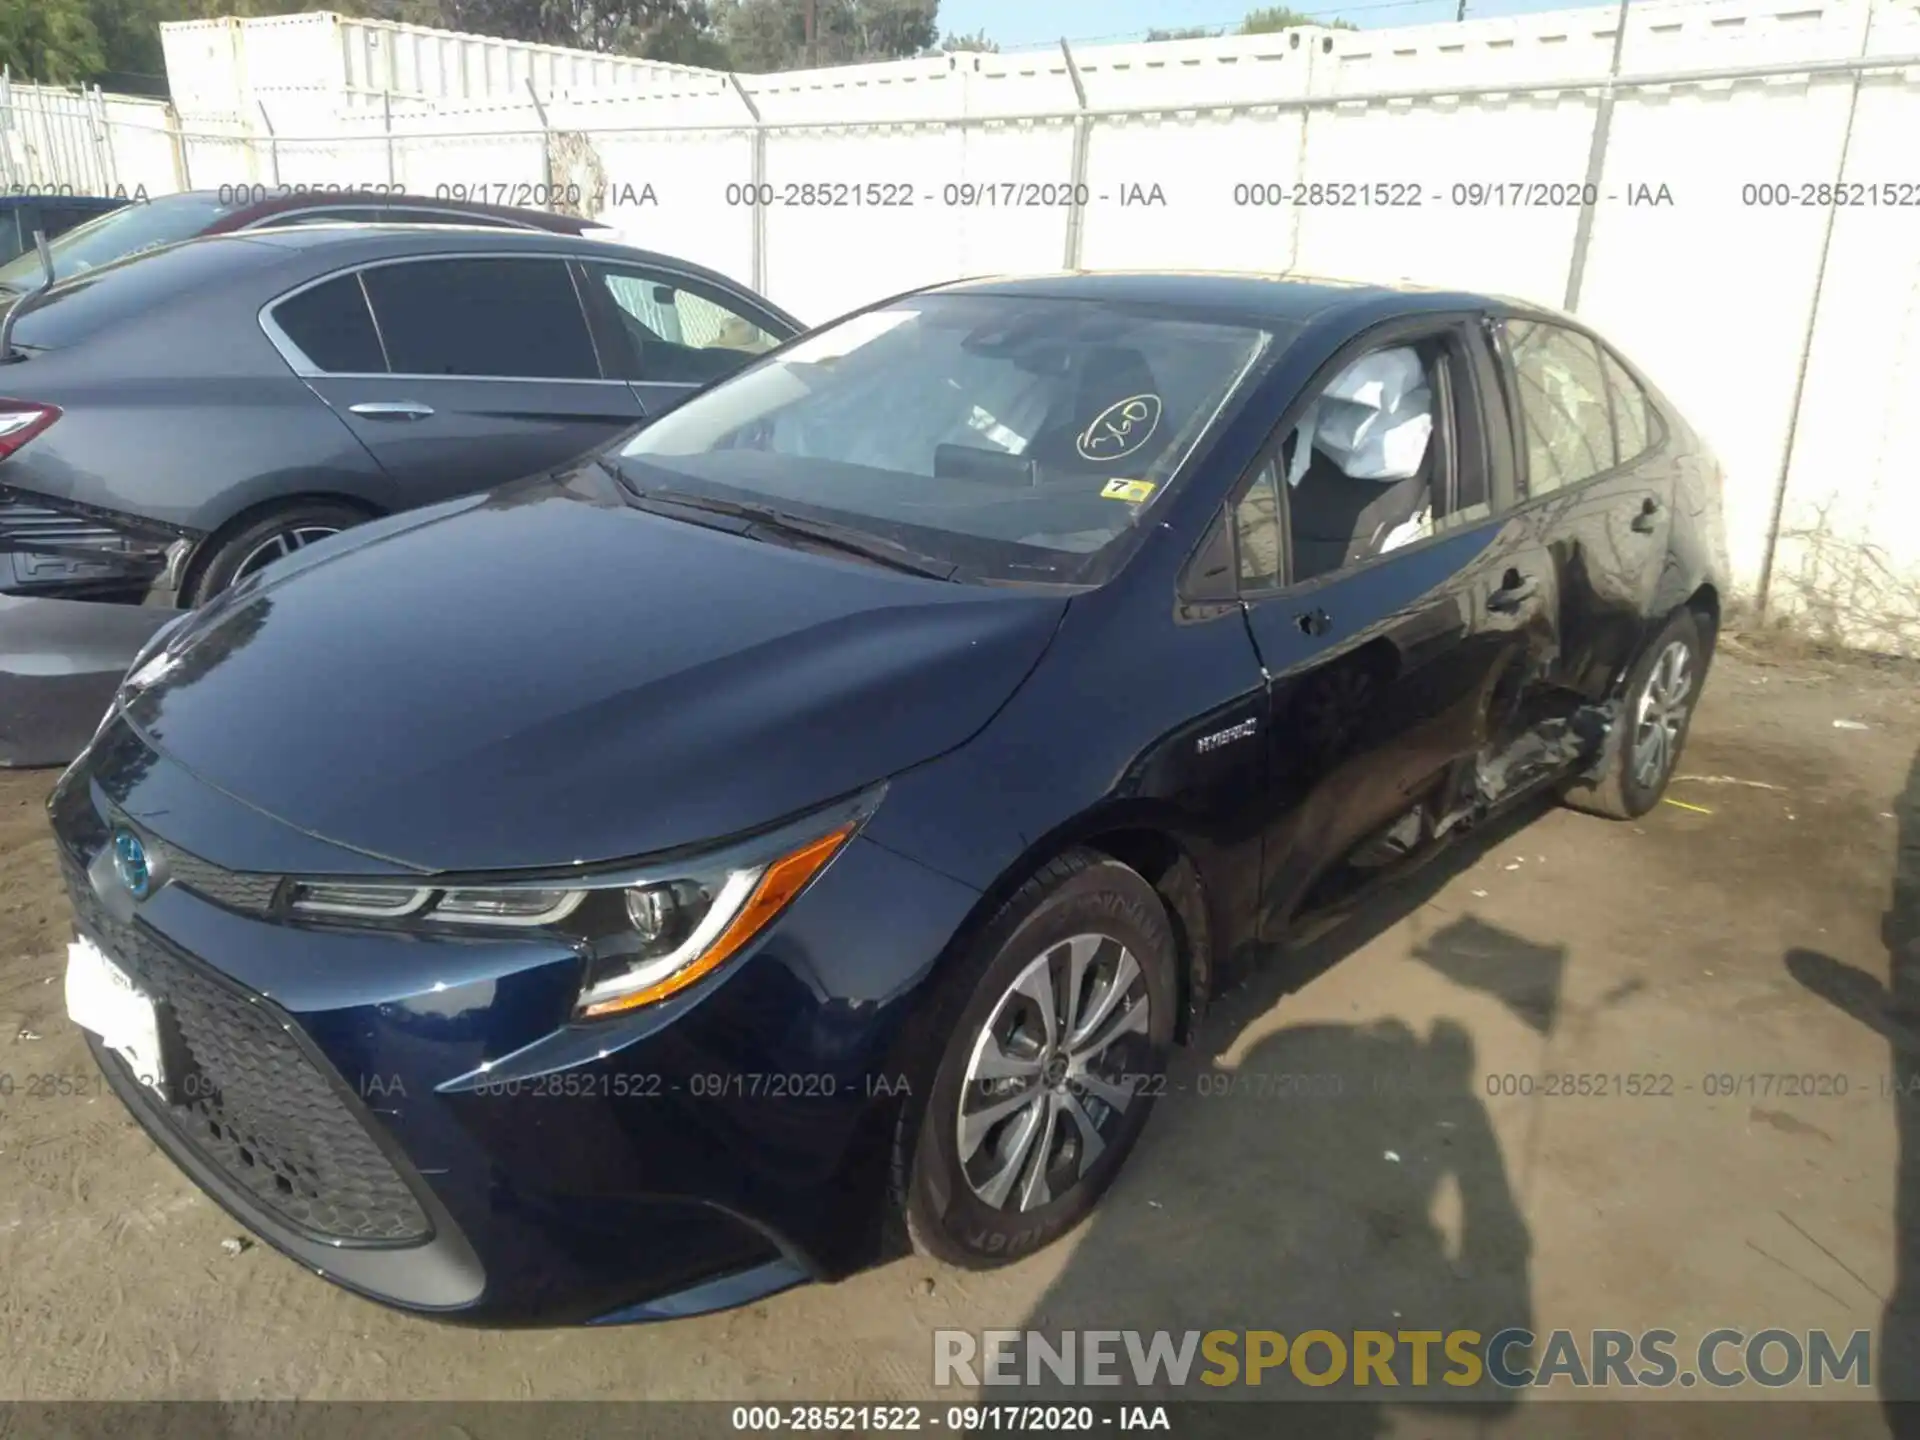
1127 490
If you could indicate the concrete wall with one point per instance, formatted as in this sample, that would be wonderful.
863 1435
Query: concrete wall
1710 283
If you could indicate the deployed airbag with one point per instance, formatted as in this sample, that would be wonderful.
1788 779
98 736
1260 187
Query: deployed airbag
1373 421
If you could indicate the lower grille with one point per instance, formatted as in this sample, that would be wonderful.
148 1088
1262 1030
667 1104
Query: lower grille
254 1105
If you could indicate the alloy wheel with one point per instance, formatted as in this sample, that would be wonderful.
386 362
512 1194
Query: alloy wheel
1053 1073
282 542
1661 714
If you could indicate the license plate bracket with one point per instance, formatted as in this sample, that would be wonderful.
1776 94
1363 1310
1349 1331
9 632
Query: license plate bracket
104 999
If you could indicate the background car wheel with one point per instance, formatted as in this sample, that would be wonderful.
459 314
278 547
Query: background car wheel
1061 1024
280 532
1661 691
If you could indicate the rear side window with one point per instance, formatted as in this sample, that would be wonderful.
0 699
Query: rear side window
506 317
1564 404
1632 425
331 326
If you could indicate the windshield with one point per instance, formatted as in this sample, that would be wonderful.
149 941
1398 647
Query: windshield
142 225
1019 438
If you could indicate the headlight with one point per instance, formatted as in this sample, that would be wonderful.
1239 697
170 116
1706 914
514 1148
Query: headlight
649 931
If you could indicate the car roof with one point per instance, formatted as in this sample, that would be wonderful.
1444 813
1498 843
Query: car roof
349 241
248 212
1286 297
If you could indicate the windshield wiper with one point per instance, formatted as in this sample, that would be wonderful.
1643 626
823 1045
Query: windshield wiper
821 532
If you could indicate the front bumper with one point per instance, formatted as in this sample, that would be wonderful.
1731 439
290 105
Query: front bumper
414 1117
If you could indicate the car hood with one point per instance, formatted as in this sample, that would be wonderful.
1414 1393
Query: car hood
549 676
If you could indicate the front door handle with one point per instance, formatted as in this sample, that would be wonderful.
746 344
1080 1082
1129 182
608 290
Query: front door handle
392 410
1314 622
1648 517
1514 590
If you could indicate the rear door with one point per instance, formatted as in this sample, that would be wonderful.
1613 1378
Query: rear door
668 333
1395 666
1595 482
458 372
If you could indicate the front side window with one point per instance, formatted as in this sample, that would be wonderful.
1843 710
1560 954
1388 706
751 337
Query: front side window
1362 462
1563 405
498 317
1019 437
672 335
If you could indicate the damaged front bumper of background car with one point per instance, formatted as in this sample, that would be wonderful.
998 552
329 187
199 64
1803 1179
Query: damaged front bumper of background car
81 594
61 661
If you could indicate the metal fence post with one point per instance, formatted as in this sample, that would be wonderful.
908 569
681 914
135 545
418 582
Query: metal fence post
1596 164
8 123
1082 145
182 171
273 144
102 141
1763 590
386 110
756 211
546 140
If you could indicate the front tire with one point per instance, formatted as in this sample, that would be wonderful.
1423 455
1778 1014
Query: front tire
1661 691
1062 1020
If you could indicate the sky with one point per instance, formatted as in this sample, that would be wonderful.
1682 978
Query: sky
1024 24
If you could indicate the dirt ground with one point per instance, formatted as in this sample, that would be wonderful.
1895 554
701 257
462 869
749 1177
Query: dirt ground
1749 931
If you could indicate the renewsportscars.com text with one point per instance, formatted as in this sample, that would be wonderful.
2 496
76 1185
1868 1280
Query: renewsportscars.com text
1511 1359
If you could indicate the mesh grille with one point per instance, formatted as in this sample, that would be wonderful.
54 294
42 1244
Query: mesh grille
253 1104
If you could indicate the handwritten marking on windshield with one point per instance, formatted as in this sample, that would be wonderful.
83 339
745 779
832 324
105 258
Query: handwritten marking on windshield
1122 428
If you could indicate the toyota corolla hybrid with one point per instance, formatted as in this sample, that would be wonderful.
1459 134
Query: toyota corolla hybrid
810 823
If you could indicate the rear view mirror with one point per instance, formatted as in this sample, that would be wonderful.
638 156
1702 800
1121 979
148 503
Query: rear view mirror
664 295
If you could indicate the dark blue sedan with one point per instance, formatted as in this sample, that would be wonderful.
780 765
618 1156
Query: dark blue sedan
804 828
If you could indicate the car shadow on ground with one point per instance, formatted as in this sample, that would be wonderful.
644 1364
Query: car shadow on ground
1893 1011
1337 1177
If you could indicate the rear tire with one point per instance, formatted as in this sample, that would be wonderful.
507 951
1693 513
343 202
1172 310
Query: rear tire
277 532
1059 1023
1660 692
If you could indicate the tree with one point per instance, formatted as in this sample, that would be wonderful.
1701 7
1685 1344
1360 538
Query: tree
766 35
1279 17
49 40
1263 21
976 41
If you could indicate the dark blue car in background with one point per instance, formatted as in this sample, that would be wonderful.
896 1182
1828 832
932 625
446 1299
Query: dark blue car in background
804 828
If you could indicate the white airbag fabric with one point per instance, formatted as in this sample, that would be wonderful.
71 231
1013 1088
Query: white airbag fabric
1373 421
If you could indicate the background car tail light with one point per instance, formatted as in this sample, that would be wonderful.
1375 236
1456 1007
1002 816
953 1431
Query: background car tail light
20 421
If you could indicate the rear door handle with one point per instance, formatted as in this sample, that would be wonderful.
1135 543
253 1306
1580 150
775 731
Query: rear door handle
392 409
1648 517
1514 590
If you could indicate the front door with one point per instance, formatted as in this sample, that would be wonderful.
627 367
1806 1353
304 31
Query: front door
1407 622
